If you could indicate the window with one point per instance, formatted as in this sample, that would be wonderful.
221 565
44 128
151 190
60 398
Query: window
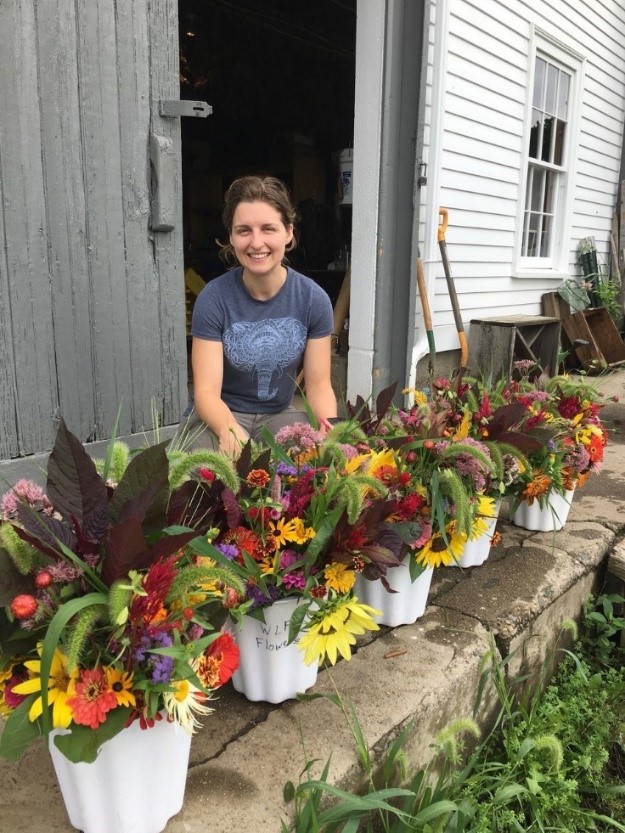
550 137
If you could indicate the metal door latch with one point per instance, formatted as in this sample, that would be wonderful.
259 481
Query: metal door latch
176 109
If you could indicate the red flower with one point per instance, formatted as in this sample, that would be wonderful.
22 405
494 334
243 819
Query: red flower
206 474
93 699
242 538
258 477
218 662
43 579
24 606
157 582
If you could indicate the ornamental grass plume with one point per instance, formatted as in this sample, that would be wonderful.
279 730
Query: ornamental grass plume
106 617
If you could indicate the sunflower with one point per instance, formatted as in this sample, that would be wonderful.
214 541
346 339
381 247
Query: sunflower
333 629
184 702
439 551
60 687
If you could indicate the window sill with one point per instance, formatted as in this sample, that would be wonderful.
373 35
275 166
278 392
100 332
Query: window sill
541 274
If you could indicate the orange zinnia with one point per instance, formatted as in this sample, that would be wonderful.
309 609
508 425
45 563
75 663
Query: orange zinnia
540 485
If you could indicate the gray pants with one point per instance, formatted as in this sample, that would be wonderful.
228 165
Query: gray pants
193 434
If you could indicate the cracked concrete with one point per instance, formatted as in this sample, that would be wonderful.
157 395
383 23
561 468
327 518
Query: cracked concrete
426 673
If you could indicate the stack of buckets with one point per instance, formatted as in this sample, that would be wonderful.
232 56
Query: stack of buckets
346 167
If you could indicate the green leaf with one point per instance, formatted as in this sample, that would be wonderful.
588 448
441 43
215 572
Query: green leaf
297 618
52 639
83 743
19 731
288 792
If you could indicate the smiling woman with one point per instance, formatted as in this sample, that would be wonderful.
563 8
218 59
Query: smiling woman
254 326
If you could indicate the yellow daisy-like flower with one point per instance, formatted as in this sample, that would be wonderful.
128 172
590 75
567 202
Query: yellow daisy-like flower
355 463
380 461
338 577
184 703
60 687
486 506
335 631
6 674
302 533
436 552
120 683
282 532
478 527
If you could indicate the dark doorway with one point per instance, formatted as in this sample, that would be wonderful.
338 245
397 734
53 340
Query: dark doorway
279 75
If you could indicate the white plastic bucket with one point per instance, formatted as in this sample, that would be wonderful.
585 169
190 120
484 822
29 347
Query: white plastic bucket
346 167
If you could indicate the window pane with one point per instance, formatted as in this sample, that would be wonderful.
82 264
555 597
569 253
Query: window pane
532 238
536 195
539 82
559 144
547 150
545 237
563 95
548 182
552 89
535 134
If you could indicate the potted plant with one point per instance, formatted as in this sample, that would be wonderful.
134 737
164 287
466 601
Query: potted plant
108 644
273 522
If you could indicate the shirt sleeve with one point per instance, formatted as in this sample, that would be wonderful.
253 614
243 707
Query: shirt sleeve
321 320
207 321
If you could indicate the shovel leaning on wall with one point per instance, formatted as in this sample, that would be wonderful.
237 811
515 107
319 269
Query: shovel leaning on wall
462 338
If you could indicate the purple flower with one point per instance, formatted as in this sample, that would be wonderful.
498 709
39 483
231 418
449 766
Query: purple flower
162 668
259 599
229 550
295 580
285 468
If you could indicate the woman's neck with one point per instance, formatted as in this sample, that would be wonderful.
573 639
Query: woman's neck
264 287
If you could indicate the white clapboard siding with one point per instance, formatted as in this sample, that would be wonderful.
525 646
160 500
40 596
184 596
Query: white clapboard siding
28 404
91 301
483 144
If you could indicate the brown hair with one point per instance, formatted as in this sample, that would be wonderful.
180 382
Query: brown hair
267 189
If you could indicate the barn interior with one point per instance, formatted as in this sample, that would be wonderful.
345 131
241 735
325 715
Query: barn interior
280 77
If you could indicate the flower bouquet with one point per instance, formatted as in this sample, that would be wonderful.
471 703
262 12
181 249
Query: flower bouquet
273 520
106 625
565 414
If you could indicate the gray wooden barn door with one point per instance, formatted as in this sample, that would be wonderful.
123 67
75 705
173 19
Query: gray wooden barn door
91 299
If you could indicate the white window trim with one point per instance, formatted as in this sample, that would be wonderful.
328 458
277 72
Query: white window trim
543 42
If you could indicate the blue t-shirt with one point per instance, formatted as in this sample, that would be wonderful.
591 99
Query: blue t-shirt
263 340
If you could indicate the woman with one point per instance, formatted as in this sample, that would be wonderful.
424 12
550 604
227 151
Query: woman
254 326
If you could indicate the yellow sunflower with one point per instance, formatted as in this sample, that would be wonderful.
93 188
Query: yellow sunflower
302 533
338 577
60 687
334 631
436 552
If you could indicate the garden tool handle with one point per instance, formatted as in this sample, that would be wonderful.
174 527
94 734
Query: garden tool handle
442 212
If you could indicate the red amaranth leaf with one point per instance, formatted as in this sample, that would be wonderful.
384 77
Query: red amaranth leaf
74 486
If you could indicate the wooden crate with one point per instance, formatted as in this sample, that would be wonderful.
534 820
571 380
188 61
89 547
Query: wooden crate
591 334
495 344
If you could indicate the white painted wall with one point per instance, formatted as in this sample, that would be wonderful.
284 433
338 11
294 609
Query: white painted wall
479 72
482 142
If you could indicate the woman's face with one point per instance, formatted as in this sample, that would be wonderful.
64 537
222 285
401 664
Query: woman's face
259 238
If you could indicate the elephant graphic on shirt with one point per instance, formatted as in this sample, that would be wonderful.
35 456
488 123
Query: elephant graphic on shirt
266 348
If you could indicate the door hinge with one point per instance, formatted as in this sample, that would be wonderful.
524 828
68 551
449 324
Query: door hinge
177 108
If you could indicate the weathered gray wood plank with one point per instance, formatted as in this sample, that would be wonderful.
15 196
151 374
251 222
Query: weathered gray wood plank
168 246
133 70
65 206
28 306
99 115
